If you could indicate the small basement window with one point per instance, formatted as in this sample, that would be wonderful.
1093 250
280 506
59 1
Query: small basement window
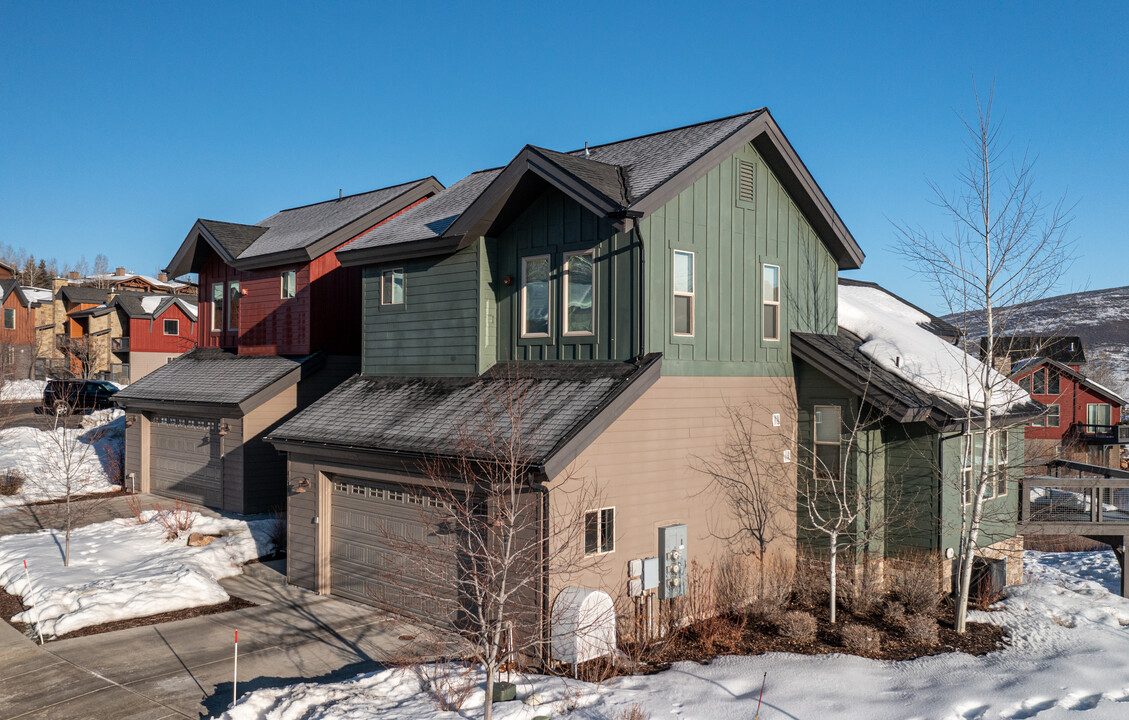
289 284
599 531
172 327
392 287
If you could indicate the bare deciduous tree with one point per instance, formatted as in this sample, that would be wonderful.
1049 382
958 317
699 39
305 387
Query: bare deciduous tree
1007 248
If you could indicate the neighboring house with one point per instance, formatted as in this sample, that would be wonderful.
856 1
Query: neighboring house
17 331
122 281
7 272
1009 350
84 324
637 289
278 325
155 329
895 375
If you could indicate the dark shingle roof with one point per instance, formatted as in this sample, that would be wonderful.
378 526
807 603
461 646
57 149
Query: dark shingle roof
427 220
83 294
132 303
211 376
302 226
1066 349
605 179
431 415
234 237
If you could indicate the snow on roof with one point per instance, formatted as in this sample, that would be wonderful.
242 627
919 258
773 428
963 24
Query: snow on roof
150 303
893 336
111 277
35 294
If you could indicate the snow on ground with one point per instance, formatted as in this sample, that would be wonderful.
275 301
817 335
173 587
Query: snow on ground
96 450
22 391
1066 660
120 569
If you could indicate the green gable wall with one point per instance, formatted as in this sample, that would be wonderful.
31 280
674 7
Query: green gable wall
1000 513
730 241
435 330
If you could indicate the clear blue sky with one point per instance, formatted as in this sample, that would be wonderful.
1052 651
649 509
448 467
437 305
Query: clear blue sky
121 123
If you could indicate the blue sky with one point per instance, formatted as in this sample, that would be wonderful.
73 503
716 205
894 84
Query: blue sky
121 123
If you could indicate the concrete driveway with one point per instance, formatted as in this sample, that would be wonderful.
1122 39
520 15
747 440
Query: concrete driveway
184 669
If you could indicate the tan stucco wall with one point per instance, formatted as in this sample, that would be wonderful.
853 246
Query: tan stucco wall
143 363
643 465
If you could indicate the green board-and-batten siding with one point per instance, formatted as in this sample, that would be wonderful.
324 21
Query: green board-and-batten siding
731 238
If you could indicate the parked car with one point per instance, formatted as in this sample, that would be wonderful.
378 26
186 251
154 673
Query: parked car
67 396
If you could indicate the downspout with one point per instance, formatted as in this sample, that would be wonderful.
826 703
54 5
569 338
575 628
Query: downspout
546 623
642 290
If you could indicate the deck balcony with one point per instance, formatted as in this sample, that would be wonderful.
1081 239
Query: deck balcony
1099 434
119 344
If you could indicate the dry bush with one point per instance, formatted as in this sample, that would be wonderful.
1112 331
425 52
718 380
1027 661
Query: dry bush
175 520
810 584
894 614
921 629
985 594
12 482
860 638
797 625
448 684
732 582
133 502
862 593
113 460
632 712
916 583
714 628
277 530
775 586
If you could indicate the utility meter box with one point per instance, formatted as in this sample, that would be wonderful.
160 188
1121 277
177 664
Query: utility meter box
672 561
650 573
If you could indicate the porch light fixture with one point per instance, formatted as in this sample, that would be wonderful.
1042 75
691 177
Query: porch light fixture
223 429
508 280
129 420
303 485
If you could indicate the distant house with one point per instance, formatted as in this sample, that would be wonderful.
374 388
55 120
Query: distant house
155 329
84 325
122 281
1012 349
17 331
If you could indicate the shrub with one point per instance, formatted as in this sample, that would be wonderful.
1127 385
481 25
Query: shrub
921 629
862 593
732 582
176 520
796 625
632 712
12 481
774 587
916 584
894 614
810 584
860 638
277 530
448 684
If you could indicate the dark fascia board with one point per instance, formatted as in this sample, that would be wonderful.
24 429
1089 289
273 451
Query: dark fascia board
478 216
601 419
413 194
179 407
181 262
400 251
771 143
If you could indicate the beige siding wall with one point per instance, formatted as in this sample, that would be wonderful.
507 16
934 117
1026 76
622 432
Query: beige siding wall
143 363
265 467
643 465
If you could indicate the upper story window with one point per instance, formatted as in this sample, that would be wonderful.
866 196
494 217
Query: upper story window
172 327
535 306
828 441
579 289
683 293
1052 415
392 287
217 307
233 295
771 302
9 319
289 284
1043 381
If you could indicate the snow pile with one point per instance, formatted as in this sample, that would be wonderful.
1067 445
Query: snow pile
1050 669
122 570
96 452
22 391
150 303
893 337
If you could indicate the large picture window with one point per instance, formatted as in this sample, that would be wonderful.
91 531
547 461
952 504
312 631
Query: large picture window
535 306
233 295
217 307
1097 415
579 289
828 441
392 287
683 293
771 302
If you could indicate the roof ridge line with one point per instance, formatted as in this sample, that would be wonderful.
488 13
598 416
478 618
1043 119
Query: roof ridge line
346 197
670 130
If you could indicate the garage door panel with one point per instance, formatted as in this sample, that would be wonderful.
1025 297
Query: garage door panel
185 460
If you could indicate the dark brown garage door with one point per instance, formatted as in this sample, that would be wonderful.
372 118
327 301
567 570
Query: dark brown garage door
184 459
391 548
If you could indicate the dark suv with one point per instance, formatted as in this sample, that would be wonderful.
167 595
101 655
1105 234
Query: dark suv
67 396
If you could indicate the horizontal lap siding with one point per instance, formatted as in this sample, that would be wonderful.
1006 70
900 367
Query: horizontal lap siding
301 509
264 484
233 476
435 330
147 335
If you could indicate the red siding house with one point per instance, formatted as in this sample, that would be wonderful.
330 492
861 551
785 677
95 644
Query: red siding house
278 326
155 329
17 331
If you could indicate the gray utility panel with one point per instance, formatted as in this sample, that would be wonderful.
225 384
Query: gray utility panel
185 459
672 561
391 547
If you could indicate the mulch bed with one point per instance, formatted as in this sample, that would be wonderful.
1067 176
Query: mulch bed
11 605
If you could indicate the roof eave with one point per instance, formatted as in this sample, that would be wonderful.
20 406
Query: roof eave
182 261
398 251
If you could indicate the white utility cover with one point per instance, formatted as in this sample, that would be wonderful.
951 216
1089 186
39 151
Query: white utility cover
583 625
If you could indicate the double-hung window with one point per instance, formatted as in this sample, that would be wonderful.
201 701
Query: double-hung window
289 284
392 287
771 302
9 319
828 441
217 307
997 465
599 531
535 305
683 293
579 293
1051 419
233 295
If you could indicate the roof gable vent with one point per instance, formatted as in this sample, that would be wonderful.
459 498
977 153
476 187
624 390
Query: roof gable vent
746 184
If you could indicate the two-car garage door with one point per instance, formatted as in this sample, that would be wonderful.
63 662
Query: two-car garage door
186 461
392 546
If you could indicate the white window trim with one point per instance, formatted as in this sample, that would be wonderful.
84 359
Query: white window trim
564 310
1089 425
816 442
387 300
599 523
227 310
677 294
966 470
282 291
1058 416
217 318
165 327
549 297
765 301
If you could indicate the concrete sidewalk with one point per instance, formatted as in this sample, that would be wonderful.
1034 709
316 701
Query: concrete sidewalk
184 669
